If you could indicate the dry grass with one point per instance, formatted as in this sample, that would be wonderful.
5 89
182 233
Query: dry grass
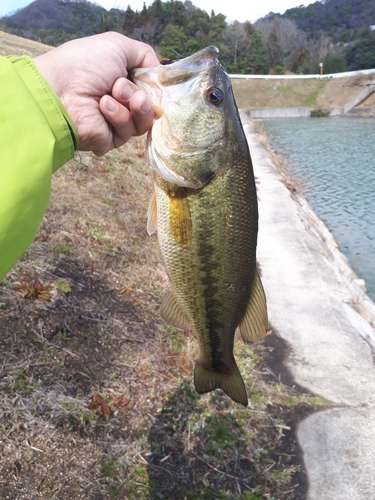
16 46
97 400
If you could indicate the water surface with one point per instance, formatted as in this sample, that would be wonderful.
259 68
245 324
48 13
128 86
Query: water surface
335 159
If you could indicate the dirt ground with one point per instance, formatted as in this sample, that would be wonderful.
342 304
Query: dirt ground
96 393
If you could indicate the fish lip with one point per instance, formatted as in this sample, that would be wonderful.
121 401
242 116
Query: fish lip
194 58
188 67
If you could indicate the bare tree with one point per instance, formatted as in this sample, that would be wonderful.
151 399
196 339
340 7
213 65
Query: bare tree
282 39
150 33
236 42
318 49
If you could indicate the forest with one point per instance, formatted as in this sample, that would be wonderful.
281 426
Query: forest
338 33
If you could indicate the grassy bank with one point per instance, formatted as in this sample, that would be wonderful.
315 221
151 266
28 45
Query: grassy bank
321 94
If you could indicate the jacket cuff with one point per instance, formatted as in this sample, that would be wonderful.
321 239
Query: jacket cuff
61 124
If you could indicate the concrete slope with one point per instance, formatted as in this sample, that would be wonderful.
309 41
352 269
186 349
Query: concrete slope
310 294
361 97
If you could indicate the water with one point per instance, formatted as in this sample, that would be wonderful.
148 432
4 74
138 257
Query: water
335 160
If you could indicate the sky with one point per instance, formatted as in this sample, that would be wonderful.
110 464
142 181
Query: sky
235 10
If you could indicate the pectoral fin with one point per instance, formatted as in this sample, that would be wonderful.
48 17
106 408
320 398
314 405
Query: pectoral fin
172 312
231 383
254 324
152 216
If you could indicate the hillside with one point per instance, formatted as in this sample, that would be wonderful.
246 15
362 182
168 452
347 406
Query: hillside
18 46
334 16
336 33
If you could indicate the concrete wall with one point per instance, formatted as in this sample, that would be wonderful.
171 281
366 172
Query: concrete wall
301 112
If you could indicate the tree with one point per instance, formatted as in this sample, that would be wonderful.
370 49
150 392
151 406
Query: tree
217 28
282 38
362 54
173 42
257 62
178 13
234 48
130 21
334 64
156 11
150 33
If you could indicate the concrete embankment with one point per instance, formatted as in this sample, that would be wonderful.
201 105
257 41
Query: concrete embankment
303 112
319 307
300 112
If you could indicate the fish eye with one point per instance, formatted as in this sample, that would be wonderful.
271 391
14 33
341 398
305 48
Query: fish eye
215 96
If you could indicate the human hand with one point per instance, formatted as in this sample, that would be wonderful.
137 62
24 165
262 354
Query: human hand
90 77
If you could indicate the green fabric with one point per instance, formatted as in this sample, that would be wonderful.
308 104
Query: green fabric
36 138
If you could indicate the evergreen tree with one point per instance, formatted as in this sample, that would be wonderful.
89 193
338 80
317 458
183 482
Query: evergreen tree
257 61
178 13
173 42
156 11
130 21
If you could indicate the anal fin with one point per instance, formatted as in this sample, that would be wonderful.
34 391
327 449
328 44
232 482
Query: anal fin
172 312
253 326
231 383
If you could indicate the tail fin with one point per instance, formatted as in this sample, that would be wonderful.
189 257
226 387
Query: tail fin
231 383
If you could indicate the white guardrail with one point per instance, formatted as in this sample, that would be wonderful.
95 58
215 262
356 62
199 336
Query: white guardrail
293 77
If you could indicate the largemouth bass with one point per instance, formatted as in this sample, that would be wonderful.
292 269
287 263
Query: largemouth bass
205 212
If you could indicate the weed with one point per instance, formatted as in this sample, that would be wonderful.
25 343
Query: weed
100 407
319 113
34 290
65 334
63 249
110 468
62 286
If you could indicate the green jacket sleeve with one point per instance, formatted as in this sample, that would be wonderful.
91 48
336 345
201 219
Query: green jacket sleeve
36 138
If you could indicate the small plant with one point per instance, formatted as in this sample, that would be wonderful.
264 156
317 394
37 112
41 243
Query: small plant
100 407
34 290
63 249
63 286
110 468
65 334
319 113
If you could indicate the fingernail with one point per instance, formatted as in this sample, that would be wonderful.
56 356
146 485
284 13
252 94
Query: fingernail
126 92
146 106
111 106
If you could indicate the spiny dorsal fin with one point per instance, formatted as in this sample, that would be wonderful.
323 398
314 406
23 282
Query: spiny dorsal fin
231 383
152 216
253 327
172 312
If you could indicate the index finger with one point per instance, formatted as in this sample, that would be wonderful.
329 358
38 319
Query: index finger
138 54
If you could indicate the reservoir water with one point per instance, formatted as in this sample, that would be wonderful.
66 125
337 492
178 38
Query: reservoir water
334 158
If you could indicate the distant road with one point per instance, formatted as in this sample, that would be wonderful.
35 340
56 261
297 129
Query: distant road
295 77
